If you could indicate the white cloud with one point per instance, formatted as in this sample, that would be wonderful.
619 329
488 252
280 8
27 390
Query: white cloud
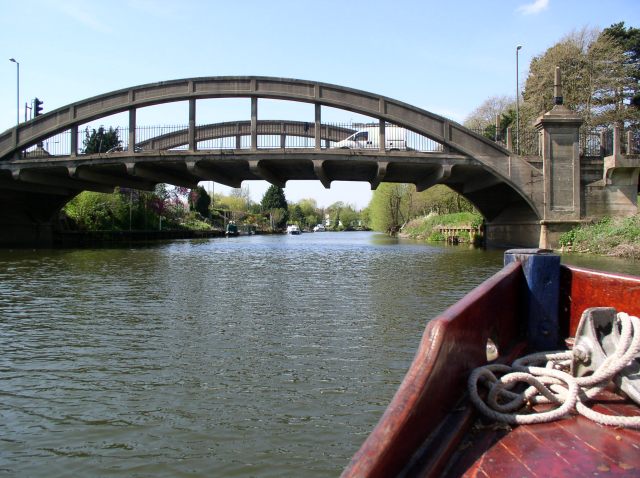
533 8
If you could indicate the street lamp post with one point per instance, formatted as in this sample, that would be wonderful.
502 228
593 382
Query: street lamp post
517 103
17 89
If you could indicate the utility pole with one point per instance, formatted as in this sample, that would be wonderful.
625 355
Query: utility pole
13 60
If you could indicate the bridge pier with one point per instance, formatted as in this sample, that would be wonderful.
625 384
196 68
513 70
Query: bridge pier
514 234
559 131
29 219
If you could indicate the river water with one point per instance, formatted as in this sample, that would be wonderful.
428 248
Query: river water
251 356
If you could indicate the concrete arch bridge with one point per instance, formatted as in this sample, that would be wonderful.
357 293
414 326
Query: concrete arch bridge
526 201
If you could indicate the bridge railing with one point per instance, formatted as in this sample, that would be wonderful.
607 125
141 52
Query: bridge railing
233 135
599 141
594 142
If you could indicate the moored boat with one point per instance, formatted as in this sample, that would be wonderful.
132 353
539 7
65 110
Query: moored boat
231 230
293 229
431 428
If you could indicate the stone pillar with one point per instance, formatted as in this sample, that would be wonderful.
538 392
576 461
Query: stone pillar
317 129
74 141
509 139
254 123
617 143
382 136
559 129
132 130
192 125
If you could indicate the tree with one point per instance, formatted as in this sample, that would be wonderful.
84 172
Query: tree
100 141
312 215
349 217
275 200
483 118
595 82
92 211
295 215
343 216
392 205
389 207
200 201
242 196
629 40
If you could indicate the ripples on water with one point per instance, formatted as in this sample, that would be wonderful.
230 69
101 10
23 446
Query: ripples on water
254 356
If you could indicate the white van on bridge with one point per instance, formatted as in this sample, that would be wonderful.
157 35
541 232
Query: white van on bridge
368 137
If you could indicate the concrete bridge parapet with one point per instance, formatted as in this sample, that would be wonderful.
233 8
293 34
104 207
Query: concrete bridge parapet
616 194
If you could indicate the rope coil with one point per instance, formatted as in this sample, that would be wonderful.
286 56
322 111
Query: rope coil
549 382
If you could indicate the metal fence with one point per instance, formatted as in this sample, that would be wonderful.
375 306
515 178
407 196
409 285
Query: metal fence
237 135
301 135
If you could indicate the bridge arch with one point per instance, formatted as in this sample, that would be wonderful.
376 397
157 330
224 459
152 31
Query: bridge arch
485 172
433 126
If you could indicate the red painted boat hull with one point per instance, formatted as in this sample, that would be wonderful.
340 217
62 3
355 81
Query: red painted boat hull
429 415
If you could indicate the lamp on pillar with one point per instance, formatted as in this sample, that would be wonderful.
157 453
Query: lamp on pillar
17 89
517 102
557 87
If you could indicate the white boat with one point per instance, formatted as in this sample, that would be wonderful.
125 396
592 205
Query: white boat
319 228
293 229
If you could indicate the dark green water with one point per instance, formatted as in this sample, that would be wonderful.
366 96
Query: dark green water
253 356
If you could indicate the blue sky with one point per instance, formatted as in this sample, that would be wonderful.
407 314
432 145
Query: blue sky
446 57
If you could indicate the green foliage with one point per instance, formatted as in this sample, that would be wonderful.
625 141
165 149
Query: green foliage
436 236
507 119
126 209
425 226
274 198
629 40
312 215
278 218
199 200
193 221
100 141
342 217
296 215
596 80
392 205
274 202
610 236
92 211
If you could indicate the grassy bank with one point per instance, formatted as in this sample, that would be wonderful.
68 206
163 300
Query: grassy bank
427 227
618 237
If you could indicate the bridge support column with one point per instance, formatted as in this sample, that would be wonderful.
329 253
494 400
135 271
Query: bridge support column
192 125
254 123
318 141
29 219
559 129
74 141
132 130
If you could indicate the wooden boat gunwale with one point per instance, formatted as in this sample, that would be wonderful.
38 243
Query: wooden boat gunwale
429 414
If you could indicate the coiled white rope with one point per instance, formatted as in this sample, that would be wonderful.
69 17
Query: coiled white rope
550 383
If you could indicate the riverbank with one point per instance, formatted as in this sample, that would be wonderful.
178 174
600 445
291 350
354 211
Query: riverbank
434 227
617 237
85 238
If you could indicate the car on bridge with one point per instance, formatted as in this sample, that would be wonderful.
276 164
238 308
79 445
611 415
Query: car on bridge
119 149
368 137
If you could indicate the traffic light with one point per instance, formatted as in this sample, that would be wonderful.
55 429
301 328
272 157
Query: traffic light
37 107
